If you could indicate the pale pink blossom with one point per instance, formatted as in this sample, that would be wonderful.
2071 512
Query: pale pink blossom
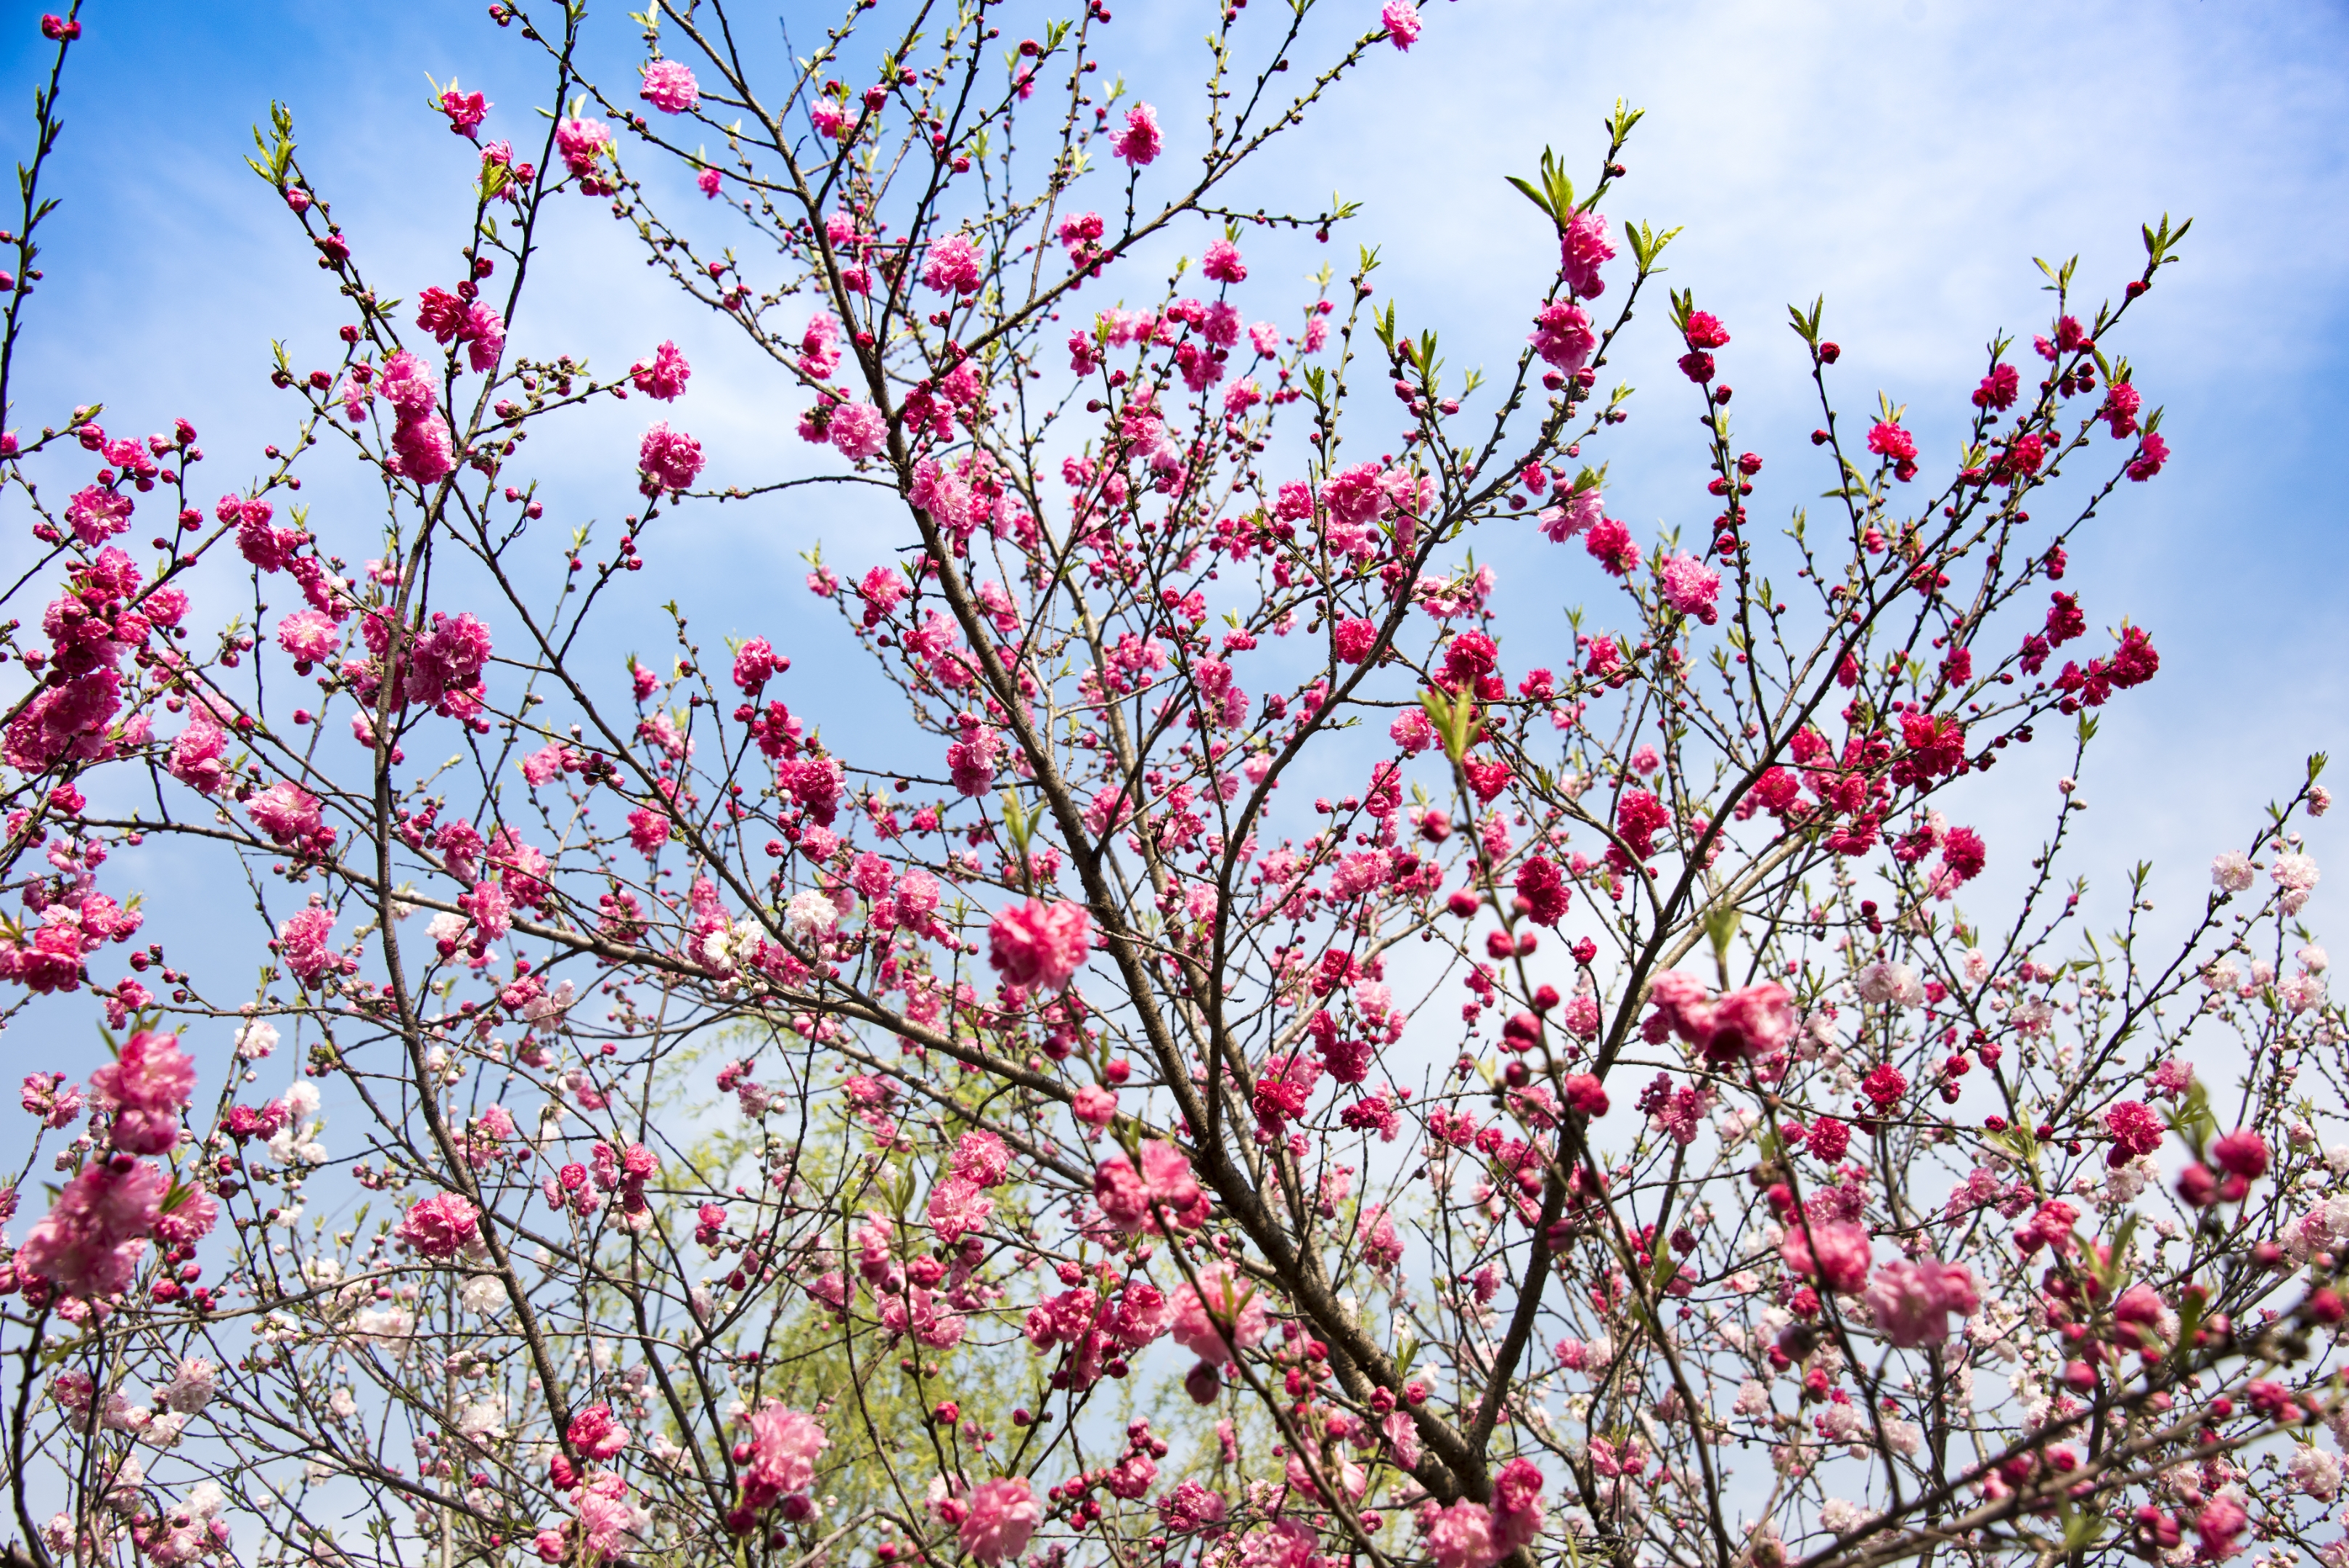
1913 1302
146 1088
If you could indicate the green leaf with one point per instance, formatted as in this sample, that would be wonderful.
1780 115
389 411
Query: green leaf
1721 925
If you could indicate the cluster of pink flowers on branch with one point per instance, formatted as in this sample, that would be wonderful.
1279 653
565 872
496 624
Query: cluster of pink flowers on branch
707 1118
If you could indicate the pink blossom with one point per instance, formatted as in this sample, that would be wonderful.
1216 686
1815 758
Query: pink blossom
1222 261
1039 945
1353 637
1191 1507
858 431
2221 1519
1517 1505
196 758
190 1216
1402 23
664 376
484 336
425 451
581 143
96 516
592 1432
1356 497
1222 1311
1564 337
89 1243
1913 1302
669 86
466 110
48 1096
1165 1179
1141 140
146 1088
707 180
302 942
958 1209
783 1444
1461 1537
1833 1253
668 459
309 636
1754 1022
1574 513
1690 587
440 1226
287 813
954 265
1003 1515
607 1518
1095 1105
981 1158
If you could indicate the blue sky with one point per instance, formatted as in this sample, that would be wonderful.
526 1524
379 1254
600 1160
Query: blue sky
1907 161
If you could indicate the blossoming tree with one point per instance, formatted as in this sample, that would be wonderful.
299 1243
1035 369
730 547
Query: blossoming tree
1014 1128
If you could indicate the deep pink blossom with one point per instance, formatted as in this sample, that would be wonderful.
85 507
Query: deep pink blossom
1889 440
2135 1130
1401 18
668 459
663 376
1039 945
466 110
1583 248
1141 140
2243 1152
592 1432
1543 888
